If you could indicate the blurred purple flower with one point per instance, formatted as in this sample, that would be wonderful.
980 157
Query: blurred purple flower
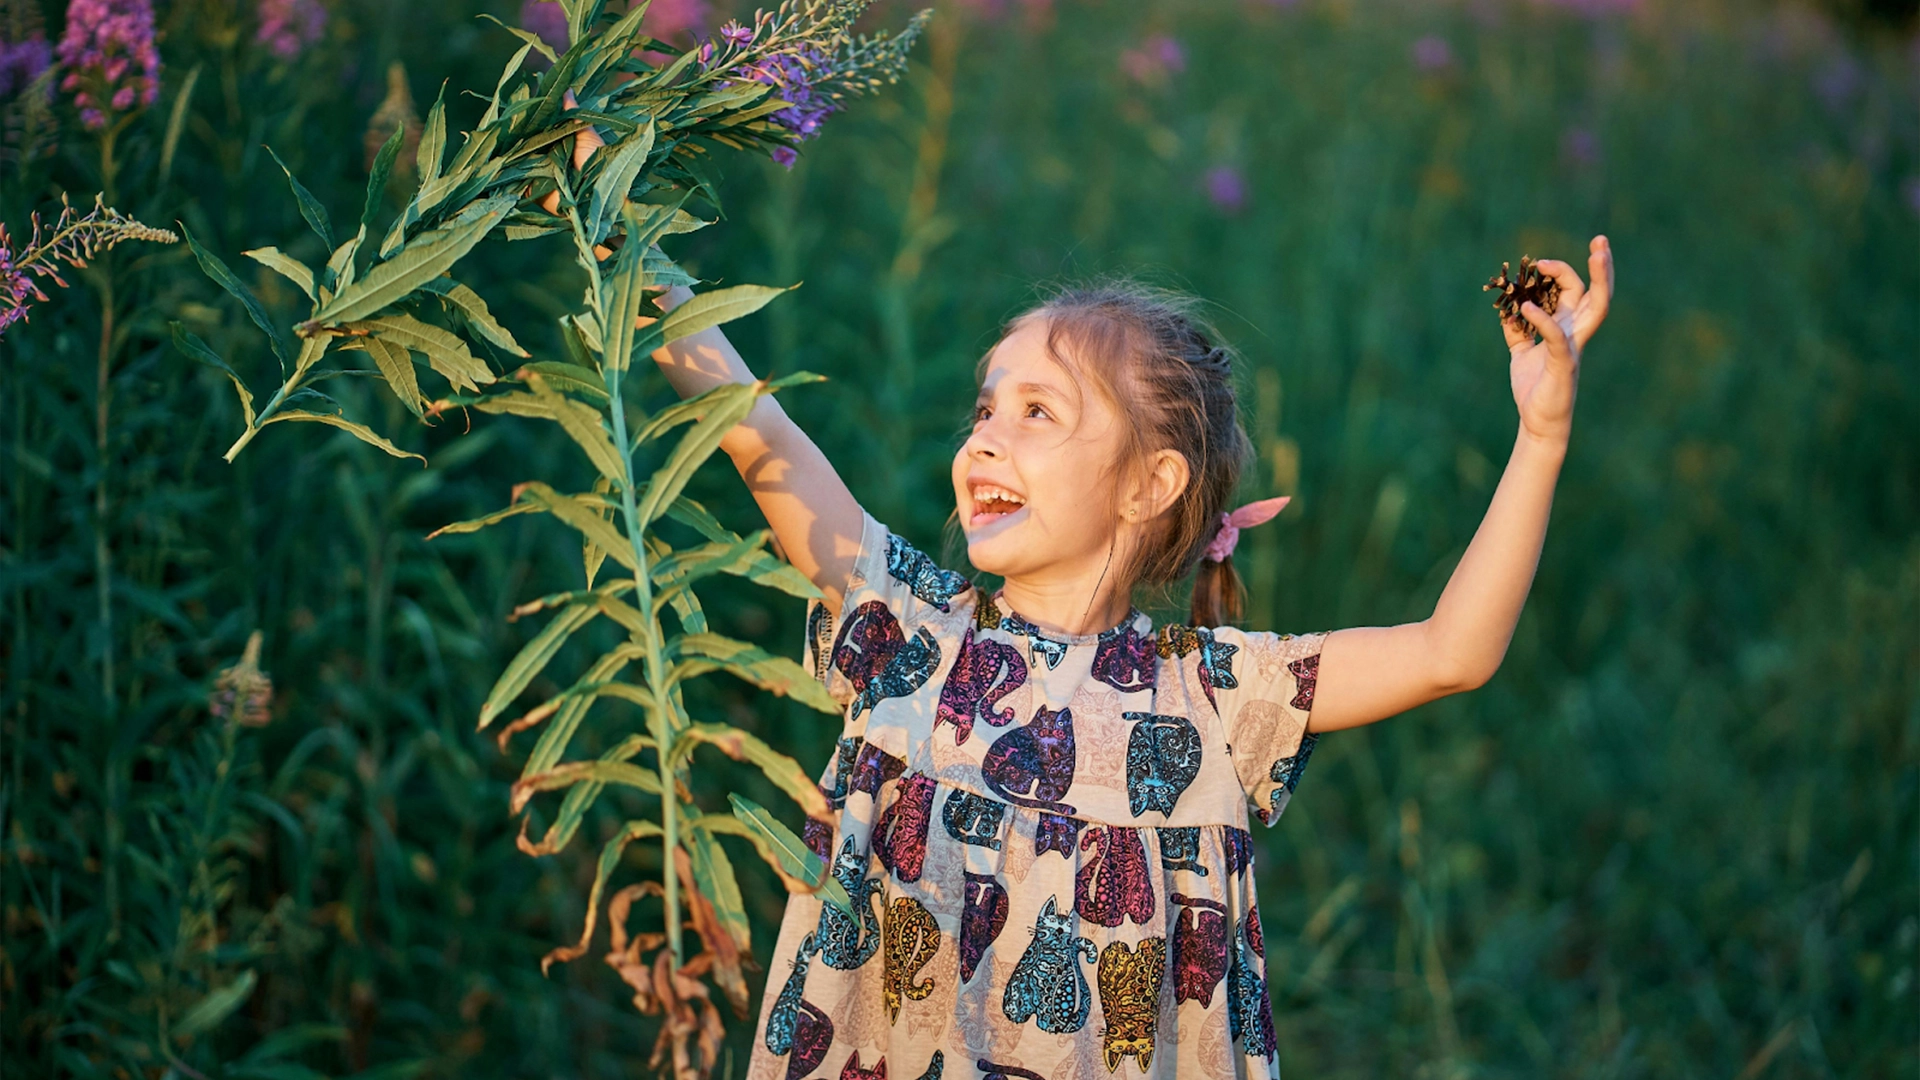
22 62
1431 54
16 288
1155 59
105 42
1591 8
548 21
1580 146
1837 82
733 33
289 27
1227 188
669 18
792 76
784 155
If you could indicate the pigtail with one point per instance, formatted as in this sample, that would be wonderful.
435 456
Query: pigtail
1217 593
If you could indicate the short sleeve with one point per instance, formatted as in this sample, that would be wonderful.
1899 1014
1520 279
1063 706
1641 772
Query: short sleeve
893 589
1265 712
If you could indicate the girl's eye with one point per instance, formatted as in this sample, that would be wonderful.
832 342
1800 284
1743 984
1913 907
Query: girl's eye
980 413
1036 410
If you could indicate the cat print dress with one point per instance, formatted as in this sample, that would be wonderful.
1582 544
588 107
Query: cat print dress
1045 840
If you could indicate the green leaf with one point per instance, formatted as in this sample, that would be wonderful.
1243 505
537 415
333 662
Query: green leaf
553 741
690 409
396 365
583 424
571 378
447 354
710 652
710 309
533 659
786 773
475 311
428 257
609 195
207 1013
433 140
377 178
785 852
225 278
621 296
195 349
473 525
713 876
340 268
610 855
292 269
583 513
310 207
533 41
358 431
692 451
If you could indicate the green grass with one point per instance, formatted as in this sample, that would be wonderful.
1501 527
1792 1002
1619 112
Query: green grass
1675 836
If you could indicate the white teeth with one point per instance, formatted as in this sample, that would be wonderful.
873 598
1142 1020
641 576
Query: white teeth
986 493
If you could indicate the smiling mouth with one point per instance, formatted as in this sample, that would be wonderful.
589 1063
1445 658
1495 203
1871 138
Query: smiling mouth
992 503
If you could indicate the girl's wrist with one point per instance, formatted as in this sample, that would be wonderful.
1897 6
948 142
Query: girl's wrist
1551 445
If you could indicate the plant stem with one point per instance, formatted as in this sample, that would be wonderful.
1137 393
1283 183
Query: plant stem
659 719
102 553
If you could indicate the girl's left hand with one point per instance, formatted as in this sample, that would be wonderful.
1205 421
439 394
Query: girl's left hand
1546 372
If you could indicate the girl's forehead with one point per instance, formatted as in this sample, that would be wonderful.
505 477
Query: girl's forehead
1022 359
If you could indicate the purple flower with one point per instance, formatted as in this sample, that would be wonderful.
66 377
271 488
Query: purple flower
289 27
22 62
547 20
1227 188
734 34
1431 54
1837 82
668 18
792 76
105 42
1155 59
1580 147
16 288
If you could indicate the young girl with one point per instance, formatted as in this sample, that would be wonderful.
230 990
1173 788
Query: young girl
1042 798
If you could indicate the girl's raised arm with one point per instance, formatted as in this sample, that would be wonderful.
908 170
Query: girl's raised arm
813 515
1371 673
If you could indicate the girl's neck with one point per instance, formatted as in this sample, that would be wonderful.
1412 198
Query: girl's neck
1064 607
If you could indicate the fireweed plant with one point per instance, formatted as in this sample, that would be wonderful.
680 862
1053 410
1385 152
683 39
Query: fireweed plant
375 308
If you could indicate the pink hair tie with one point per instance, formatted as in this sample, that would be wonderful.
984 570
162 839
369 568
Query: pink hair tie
1220 549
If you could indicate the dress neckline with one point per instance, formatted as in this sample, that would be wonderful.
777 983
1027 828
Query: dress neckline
1003 617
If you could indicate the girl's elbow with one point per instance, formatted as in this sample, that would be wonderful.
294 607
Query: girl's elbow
1458 676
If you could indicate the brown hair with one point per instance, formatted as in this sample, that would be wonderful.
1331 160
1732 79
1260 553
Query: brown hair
1150 352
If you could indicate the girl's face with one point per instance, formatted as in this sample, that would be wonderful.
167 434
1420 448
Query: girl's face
1034 482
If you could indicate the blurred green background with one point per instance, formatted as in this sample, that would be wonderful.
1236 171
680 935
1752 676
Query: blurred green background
1678 834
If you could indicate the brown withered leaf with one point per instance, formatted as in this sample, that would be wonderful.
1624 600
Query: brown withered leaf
243 692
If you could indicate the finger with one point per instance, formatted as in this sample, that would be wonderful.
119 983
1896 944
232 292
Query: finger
584 144
1600 296
1571 287
1516 331
1559 350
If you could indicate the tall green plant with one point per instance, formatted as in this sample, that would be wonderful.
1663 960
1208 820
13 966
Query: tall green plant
516 174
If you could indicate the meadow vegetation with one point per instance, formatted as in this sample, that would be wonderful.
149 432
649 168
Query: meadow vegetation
1676 835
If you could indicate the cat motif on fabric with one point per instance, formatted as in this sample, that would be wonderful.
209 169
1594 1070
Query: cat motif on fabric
1113 885
873 768
900 835
984 671
1047 985
992 1071
911 567
1056 832
1130 998
1125 659
1032 766
973 819
1306 673
1199 949
1163 757
1285 775
1238 843
1053 651
848 941
879 660
981 920
911 938
1180 849
1249 1012
851 1070
795 1025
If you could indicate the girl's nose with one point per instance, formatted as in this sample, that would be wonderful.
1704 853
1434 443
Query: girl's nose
982 445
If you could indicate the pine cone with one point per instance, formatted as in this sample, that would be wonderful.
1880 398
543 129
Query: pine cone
1512 291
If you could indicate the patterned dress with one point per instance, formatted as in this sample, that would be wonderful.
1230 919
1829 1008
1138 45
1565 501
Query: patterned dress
1045 839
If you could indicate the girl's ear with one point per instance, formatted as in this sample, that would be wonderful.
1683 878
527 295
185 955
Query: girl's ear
1161 484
